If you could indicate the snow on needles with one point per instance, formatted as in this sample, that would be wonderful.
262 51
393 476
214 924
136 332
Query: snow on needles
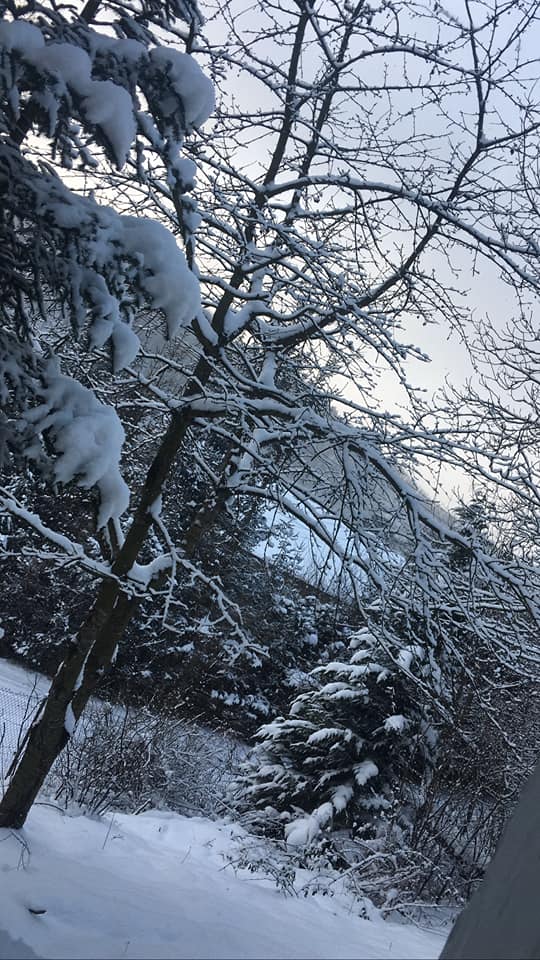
106 266
21 36
102 102
107 240
87 437
161 270
180 88
166 278
188 82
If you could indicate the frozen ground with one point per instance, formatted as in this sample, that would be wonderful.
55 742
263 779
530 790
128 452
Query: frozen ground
158 885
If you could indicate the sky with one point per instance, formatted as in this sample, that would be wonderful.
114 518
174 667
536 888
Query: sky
485 295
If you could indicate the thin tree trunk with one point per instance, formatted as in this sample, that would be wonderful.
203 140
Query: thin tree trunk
93 649
68 695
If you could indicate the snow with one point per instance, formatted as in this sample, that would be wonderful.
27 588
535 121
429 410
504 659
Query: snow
397 723
88 439
167 279
365 771
302 831
362 636
191 86
188 95
237 320
156 507
342 796
156 885
69 721
21 36
405 658
20 681
103 103
186 171
161 268
110 107
144 573
162 885
14 949
87 435
320 547
20 693
328 733
131 51
126 345
312 559
69 63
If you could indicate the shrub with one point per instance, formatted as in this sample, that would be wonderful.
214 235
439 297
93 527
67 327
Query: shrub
131 759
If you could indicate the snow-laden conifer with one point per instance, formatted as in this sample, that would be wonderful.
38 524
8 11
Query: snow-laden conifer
101 94
348 746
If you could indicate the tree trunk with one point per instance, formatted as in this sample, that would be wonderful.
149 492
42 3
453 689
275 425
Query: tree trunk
502 921
98 637
92 651
69 691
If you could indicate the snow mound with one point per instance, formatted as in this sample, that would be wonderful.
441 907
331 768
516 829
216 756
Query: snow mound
14 949
194 90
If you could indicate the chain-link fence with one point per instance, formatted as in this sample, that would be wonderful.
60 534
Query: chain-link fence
17 709
122 757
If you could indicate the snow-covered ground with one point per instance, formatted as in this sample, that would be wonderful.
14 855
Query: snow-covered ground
309 555
160 885
157 886
326 559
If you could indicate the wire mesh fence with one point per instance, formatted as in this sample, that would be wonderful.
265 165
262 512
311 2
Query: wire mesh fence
17 709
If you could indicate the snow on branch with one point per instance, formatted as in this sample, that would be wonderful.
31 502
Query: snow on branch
87 438
69 549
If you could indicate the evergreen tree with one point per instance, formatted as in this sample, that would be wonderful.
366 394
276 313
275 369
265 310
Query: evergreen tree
99 100
341 755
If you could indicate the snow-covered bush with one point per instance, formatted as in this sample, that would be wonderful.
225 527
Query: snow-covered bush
347 747
132 759
381 875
